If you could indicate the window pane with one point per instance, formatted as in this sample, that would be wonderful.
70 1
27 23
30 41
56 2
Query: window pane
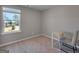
11 21
11 10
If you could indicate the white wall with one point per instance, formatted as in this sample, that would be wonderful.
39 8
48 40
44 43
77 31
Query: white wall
30 23
60 18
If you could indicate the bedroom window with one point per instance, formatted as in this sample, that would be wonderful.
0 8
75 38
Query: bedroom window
11 20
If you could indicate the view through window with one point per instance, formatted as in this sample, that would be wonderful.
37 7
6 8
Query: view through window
11 19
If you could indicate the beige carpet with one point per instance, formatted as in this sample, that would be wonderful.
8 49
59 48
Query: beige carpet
39 44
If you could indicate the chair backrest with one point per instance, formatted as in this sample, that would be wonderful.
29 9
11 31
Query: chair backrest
59 35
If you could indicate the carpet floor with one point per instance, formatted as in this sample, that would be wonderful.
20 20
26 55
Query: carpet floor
39 44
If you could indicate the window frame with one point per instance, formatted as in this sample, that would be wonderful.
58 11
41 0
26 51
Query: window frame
3 25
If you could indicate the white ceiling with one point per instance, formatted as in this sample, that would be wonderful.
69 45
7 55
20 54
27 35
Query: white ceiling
40 7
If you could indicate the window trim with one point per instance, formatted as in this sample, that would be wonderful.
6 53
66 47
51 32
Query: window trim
2 21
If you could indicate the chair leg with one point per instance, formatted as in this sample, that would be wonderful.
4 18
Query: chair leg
74 49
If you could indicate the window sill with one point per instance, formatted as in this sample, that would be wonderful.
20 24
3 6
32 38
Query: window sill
10 32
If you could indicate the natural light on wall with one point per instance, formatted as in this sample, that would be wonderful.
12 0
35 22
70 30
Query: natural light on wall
11 18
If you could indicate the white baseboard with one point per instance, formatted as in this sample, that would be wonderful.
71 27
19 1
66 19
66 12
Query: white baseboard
5 44
46 36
